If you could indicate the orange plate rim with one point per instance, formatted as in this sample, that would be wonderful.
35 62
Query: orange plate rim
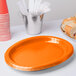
57 62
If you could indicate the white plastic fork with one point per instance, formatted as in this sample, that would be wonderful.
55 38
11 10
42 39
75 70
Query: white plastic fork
22 7
31 6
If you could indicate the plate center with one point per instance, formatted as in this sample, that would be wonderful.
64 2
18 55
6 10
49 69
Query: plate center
36 53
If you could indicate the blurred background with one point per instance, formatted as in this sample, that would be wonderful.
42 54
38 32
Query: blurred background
60 9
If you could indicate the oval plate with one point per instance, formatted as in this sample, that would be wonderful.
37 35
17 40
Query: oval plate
38 53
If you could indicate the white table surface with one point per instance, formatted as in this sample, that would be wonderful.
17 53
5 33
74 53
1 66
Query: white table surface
51 28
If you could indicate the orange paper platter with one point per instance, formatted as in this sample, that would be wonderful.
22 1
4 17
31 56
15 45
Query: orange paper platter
38 53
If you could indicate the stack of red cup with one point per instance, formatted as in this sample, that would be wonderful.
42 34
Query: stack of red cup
4 27
4 22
